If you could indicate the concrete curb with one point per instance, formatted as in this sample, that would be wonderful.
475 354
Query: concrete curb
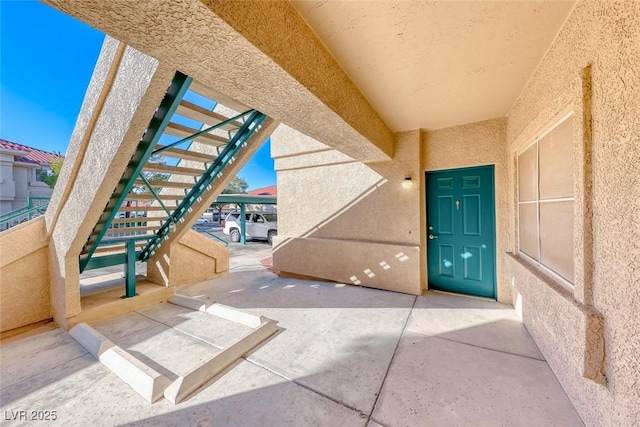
143 379
152 385
93 341
188 302
196 377
219 310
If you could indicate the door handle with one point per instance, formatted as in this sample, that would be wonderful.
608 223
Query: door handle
431 236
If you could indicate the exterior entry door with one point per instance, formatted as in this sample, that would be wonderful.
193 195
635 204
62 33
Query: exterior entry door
461 231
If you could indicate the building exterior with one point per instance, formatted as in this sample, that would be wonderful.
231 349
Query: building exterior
488 148
271 190
20 179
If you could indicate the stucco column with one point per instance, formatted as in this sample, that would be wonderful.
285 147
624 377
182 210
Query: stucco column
7 184
125 89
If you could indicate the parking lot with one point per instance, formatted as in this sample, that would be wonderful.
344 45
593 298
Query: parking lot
212 229
252 249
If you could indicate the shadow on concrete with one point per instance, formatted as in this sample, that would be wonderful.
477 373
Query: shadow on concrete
467 375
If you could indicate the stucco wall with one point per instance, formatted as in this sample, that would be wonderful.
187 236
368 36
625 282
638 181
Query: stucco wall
39 189
194 258
21 176
604 35
336 212
124 92
18 182
476 144
245 61
24 269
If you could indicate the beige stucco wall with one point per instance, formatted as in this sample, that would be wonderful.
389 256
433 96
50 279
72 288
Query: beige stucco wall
475 144
124 92
24 275
342 220
18 181
236 48
605 35
194 258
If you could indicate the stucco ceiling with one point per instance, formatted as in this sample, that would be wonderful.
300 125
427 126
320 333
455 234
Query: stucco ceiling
435 64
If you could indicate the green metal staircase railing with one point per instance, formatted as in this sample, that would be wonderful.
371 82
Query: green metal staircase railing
151 197
36 206
147 144
239 140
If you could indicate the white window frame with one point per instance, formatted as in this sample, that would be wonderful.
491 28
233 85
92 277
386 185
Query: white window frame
536 262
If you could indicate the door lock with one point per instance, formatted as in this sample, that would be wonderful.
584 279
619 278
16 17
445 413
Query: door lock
431 236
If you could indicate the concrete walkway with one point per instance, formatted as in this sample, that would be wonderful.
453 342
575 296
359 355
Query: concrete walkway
345 356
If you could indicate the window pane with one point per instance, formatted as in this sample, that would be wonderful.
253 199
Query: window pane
556 237
528 229
556 162
528 174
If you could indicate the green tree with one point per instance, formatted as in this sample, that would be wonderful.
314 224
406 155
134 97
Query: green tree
51 177
153 176
236 186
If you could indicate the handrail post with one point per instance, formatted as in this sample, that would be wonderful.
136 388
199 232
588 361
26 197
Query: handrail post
130 270
243 225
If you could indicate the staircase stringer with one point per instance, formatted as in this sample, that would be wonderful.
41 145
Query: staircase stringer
207 181
160 120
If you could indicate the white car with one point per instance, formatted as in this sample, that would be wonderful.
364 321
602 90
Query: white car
202 220
259 225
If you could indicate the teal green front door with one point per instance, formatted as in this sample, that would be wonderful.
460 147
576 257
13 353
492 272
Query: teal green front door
461 231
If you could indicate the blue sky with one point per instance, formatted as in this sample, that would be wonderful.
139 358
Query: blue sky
46 62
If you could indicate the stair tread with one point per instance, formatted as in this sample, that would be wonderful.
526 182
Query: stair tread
140 208
116 248
180 153
148 196
207 92
167 184
130 230
138 219
179 170
202 115
182 131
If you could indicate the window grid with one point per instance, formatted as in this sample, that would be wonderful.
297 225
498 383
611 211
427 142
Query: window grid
538 260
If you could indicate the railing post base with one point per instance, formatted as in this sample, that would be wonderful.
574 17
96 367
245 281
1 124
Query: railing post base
130 270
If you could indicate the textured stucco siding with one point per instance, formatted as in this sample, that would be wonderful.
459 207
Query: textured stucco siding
476 144
604 35
24 273
236 48
196 258
342 220
551 316
121 99
25 291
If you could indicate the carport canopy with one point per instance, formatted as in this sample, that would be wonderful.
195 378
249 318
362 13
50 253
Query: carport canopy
243 200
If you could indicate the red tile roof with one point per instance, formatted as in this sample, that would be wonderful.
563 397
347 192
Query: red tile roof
33 154
271 190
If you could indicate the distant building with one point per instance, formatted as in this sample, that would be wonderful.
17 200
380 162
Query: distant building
20 173
271 190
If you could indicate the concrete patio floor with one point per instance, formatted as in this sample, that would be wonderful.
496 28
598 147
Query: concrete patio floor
344 356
